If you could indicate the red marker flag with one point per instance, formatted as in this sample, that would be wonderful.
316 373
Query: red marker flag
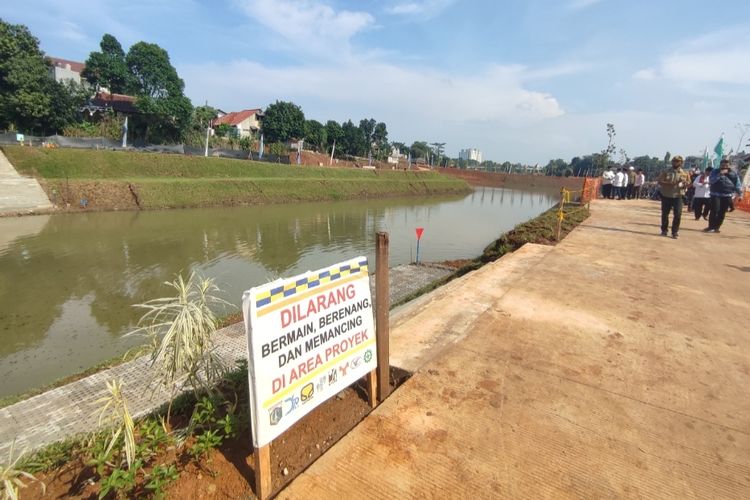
420 230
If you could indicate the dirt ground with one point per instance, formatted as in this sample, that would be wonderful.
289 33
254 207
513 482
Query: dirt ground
615 365
227 471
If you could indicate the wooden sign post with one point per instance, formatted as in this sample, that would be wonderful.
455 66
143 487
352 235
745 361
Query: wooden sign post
263 482
382 306
309 338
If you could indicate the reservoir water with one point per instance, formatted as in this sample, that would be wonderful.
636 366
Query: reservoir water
68 282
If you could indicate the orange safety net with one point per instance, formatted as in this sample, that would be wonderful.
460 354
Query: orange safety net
591 187
744 203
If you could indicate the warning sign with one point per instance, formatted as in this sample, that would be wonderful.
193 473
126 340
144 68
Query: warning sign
309 337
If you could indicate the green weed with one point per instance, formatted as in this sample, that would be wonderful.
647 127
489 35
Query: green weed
161 475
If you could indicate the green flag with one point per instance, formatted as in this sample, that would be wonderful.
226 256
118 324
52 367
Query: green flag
705 159
719 148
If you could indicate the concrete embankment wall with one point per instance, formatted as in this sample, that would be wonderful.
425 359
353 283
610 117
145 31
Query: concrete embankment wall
477 178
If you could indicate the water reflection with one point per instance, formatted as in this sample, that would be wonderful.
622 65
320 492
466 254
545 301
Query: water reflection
67 282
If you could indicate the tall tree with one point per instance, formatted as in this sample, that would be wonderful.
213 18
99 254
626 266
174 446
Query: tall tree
333 134
606 154
283 121
108 67
380 141
24 101
352 139
420 149
366 128
159 92
315 135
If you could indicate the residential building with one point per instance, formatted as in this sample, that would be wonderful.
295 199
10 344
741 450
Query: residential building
470 154
104 101
63 70
395 156
245 122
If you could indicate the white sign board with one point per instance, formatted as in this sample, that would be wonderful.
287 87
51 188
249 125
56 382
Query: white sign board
309 337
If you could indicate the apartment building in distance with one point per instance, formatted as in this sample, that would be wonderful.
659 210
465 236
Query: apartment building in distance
470 154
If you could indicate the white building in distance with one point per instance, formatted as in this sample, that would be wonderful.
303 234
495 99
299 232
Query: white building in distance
63 69
470 154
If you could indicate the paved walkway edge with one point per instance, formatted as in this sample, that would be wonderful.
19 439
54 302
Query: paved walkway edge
20 194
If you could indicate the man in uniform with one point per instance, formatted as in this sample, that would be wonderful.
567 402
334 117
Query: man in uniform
672 183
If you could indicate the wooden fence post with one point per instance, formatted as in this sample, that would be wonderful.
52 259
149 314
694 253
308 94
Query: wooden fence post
382 307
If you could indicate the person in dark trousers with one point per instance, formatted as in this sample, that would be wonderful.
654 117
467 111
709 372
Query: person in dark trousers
630 190
702 195
725 183
672 184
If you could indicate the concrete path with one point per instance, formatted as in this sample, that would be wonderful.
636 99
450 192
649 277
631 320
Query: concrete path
19 194
616 364
71 409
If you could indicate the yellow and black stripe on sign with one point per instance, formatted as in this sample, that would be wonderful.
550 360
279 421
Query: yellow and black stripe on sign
330 275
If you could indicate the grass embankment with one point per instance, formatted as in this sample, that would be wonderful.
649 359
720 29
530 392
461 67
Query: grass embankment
111 180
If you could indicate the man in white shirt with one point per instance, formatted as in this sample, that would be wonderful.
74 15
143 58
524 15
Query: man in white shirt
618 183
702 195
640 180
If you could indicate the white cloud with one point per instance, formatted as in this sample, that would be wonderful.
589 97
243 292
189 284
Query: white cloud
70 31
424 8
308 25
556 70
415 103
582 4
496 94
718 57
645 74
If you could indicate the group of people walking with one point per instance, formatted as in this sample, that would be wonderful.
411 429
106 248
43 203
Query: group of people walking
626 183
715 189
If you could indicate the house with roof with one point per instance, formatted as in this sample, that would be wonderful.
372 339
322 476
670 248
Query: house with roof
104 101
63 70
246 123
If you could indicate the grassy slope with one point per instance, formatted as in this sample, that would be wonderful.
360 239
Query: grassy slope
162 180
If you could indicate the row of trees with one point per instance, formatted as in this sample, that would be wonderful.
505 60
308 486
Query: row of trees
284 121
32 101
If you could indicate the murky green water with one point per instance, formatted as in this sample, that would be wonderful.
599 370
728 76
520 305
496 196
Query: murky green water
68 282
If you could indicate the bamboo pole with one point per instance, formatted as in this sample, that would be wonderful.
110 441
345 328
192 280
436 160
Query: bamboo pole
382 306
560 215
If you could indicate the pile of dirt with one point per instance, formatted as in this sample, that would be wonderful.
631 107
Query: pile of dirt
227 471
91 195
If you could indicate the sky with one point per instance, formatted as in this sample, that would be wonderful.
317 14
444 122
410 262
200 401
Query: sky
521 80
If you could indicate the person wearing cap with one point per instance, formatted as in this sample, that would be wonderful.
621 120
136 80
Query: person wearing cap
702 195
672 183
630 192
725 183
